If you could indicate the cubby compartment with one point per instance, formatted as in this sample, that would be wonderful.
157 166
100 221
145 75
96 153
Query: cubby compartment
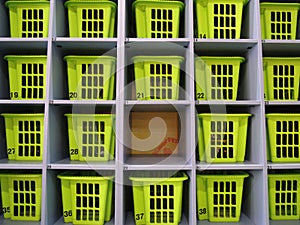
157 196
91 20
247 77
5 22
211 198
79 75
157 19
79 137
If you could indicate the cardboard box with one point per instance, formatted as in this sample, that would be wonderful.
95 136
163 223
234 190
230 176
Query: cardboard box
164 135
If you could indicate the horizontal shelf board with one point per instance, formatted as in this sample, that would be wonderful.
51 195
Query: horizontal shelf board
74 165
156 163
30 102
13 164
83 102
158 102
130 220
8 39
243 221
68 39
232 166
61 222
285 222
238 102
224 45
180 41
282 102
14 222
283 165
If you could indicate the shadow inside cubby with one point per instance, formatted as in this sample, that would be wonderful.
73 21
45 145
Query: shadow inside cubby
249 80
131 27
254 133
248 25
5 20
61 24
59 128
59 82
160 206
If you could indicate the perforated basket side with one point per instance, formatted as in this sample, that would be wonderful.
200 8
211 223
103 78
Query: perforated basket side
91 77
219 19
24 136
217 78
281 78
28 19
222 137
91 21
284 196
27 77
157 19
157 77
279 20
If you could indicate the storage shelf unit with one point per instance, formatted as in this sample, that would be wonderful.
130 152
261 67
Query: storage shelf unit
124 46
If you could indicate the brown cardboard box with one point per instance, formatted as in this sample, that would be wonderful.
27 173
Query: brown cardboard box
164 129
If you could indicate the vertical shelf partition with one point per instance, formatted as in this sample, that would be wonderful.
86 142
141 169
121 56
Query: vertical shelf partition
124 46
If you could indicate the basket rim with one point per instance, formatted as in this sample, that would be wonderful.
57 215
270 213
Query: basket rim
81 2
66 58
9 175
282 58
22 114
232 175
30 2
144 58
8 57
200 58
292 175
182 176
281 4
282 115
88 115
179 3
223 115
244 1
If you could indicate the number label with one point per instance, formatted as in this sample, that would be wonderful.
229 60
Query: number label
139 216
202 211
67 213
11 151
200 95
14 95
73 94
6 209
140 95
202 36
74 151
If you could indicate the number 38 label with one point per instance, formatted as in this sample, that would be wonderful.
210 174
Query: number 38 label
202 211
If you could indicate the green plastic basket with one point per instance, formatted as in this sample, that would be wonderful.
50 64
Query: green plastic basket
221 19
91 19
28 19
217 78
86 197
157 77
281 78
27 77
284 196
157 197
91 137
219 196
24 136
284 137
91 77
157 18
279 20
222 137
21 196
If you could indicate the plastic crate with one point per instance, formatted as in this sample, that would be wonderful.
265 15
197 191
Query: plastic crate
91 20
86 197
219 196
284 196
91 137
157 77
222 137
28 19
281 78
21 196
221 19
157 18
217 78
24 136
91 77
284 137
27 77
279 20
157 197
